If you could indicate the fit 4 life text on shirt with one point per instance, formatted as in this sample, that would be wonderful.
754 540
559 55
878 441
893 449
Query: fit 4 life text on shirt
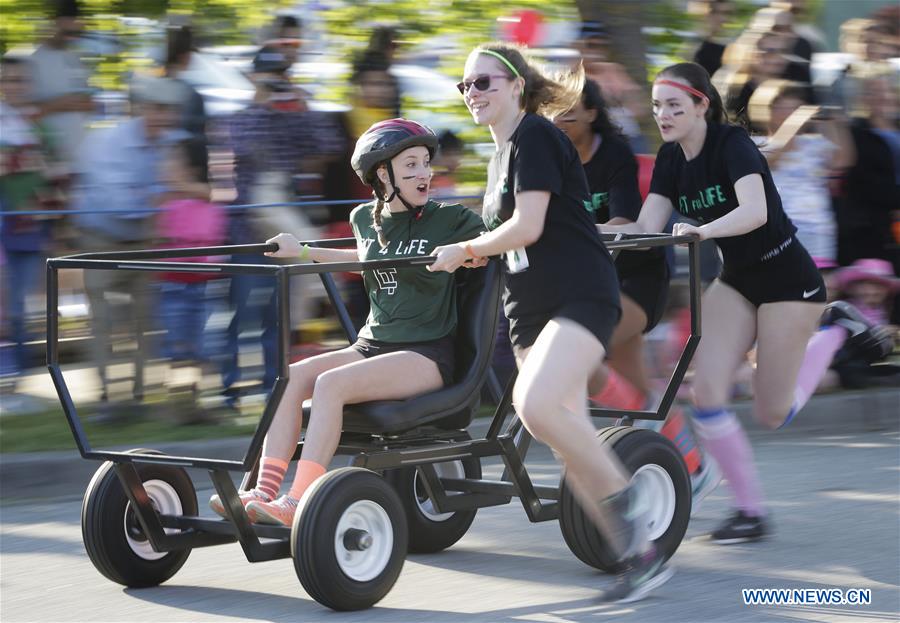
707 198
403 247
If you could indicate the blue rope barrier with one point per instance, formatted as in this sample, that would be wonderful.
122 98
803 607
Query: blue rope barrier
249 206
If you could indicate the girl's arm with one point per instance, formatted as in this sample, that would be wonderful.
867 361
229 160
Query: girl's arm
523 229
751 213
654 215
323 256
289 246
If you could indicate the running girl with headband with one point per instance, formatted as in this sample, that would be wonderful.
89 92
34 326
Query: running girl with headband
406 347
561 294
769 292
612 177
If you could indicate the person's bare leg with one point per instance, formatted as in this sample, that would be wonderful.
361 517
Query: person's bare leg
631 325
550 397
628 362
627 346
729 330
728 327
284 431
554 374
393 376
783 330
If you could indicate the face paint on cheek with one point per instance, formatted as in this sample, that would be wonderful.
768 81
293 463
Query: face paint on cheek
677 114
408 177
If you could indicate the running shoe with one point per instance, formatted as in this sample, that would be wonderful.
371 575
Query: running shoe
704 482
277 512
642 574
740 528
868 341
215 503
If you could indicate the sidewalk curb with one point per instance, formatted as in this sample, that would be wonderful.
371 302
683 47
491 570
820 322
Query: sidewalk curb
65 474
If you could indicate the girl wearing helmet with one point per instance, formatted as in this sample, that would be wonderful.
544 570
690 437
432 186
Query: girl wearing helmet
561 294
406 347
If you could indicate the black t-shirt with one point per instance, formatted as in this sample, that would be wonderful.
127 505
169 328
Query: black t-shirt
569 261
612 176
703 190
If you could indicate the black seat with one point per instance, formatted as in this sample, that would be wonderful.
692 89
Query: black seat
451 407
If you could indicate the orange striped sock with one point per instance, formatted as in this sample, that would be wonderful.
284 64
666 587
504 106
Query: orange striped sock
307 472
677 431
271 475
619 393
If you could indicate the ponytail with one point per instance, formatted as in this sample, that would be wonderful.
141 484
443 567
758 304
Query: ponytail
698 78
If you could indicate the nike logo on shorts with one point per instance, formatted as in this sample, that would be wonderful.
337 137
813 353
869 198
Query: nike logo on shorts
806 294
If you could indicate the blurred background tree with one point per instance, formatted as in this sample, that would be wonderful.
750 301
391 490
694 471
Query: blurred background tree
219 21
122 35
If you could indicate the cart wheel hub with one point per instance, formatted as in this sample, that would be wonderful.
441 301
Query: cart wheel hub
658 493
357 540
164 499
363 540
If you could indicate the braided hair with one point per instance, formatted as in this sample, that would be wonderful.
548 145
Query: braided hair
380 204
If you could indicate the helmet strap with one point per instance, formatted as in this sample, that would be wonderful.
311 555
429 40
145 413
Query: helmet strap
396 193
378 194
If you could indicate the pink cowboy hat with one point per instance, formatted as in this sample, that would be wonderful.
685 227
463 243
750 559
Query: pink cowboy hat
870 269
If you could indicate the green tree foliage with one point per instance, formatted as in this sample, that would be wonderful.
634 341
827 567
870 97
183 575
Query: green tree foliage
467 22
218 21
25 22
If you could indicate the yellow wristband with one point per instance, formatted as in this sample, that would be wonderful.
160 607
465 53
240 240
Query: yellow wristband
304 252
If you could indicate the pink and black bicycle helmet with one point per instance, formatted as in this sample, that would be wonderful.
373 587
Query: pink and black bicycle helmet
386 139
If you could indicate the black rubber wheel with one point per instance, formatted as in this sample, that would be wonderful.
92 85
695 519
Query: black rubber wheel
113 537
430 531
654 459
349 539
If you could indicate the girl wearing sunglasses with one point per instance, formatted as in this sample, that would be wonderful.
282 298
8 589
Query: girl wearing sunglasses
561 294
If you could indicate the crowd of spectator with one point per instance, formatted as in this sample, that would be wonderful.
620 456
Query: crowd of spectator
834 151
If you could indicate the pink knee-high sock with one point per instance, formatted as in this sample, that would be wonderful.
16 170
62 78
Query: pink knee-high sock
819 354
724 438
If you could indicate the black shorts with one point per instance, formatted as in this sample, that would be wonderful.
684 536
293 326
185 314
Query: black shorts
648 286
441 351
599 316
789 276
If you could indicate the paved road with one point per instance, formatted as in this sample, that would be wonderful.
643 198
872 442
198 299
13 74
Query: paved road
835 501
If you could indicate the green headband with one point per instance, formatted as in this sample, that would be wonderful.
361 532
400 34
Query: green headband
502 58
